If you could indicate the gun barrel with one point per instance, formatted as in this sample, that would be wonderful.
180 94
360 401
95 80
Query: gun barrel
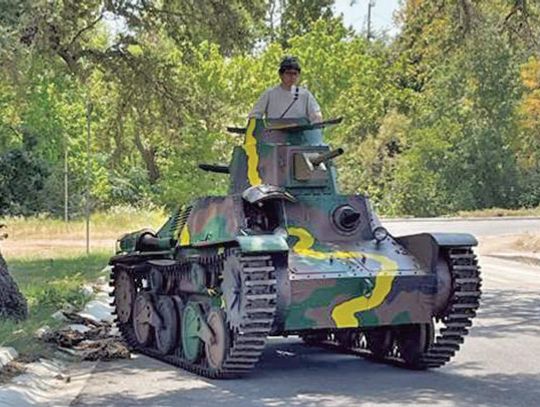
326 156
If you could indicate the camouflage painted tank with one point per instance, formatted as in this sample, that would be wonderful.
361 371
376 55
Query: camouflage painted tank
284 253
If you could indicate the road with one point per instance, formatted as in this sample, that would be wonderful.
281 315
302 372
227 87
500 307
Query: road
499 364
478 226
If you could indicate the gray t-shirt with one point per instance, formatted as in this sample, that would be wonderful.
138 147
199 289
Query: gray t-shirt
275 101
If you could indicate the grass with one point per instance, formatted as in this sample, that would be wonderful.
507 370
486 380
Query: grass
498 212
48 285
47 257
109 224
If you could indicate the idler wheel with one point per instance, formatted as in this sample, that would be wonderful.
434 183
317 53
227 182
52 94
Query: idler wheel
216 348
167 332
413 340
379 341
124 295
191 326
142 314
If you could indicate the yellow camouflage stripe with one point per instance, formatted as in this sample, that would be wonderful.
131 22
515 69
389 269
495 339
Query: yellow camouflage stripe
250 147
185 238
344 313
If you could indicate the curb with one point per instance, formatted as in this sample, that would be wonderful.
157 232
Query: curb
46 383
7 355
55 383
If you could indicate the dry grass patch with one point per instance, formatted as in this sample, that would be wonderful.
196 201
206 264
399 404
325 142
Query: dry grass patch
525 243
499 212
103 225
45 237
529 242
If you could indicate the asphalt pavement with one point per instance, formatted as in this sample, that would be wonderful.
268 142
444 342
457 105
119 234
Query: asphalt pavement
477 226
499 364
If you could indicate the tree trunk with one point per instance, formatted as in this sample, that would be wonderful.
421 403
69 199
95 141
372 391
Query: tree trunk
12 303
148 155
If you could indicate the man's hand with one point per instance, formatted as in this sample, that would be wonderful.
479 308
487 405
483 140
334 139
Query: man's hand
316 117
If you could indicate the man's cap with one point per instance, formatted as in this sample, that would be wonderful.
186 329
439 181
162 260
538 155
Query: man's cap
289 63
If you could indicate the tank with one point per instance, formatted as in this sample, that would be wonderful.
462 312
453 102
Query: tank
284 253
12 303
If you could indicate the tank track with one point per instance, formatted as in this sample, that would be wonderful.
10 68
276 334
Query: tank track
461 309
456 319
247 343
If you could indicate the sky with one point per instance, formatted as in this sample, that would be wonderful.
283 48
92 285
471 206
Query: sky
356 15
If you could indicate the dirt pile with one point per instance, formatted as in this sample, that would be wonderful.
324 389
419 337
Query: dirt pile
87 339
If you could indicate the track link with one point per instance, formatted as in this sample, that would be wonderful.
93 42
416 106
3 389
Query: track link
246 343
461 309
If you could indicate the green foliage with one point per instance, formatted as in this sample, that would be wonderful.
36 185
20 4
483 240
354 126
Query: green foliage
442 118
460 153
297 16
48 286
22 181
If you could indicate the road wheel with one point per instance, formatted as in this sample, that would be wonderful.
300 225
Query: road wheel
216 348
167 333
124 295
191 325
379 341
142 314
413 341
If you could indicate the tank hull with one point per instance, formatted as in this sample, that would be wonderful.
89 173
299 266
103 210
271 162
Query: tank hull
285 253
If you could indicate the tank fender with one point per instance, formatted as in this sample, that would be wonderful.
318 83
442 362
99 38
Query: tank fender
454 239
149 241
143 240
129 241
265 192
263 243
426 247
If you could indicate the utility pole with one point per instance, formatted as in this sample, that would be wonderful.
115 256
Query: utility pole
89 108
371 4
66 191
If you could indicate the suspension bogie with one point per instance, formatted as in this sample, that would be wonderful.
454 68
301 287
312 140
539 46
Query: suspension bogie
176 310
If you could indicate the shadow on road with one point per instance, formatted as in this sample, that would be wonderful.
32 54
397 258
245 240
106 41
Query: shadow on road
507 313
293 375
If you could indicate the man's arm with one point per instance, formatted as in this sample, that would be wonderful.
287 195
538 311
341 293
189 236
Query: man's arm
259 110
313 109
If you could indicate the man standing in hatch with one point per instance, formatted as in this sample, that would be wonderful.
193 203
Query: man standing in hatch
287 100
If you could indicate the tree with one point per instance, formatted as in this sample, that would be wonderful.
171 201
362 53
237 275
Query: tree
297 16
22 180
